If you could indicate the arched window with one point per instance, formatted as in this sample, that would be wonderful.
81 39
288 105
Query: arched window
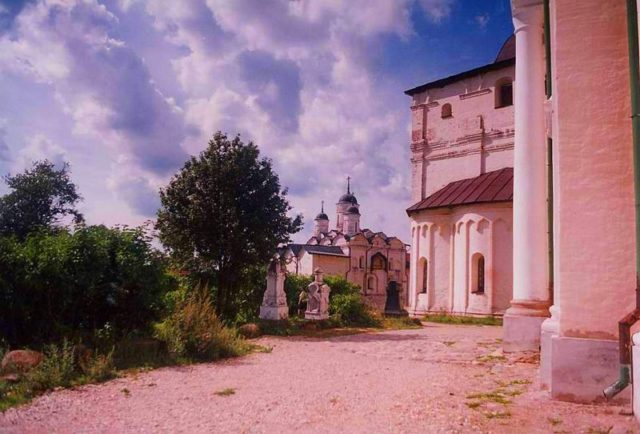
477 274
378 262
371 283
504 93
425 276
446 111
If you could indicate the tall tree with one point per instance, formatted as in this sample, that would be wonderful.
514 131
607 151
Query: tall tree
223 215
40 198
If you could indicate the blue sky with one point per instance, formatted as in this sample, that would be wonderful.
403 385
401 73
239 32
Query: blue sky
126 90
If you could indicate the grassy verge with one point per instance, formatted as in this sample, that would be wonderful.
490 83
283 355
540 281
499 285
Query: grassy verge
333 327
443 318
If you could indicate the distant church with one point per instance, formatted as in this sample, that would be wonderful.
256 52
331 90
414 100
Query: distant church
366 258
462 142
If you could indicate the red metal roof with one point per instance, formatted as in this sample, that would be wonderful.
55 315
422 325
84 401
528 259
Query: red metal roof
496 186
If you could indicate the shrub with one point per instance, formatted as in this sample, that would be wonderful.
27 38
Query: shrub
57 369
351 311
194 331
55 283
98 367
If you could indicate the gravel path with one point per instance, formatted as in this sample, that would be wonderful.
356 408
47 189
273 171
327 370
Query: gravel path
395 381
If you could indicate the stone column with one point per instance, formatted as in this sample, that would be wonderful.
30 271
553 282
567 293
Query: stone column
530 303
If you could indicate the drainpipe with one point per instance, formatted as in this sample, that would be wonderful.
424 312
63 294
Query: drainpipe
624 326
547 51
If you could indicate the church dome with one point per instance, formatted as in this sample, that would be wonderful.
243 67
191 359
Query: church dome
322 216
508 50
348 198
353 210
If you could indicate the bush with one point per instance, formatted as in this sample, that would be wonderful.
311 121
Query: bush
194 331
351 311
57 283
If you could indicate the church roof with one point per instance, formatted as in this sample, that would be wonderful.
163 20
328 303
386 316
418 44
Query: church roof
314 249
506 57
496 186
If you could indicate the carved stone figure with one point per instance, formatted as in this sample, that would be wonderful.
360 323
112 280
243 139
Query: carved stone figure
274 302
317 298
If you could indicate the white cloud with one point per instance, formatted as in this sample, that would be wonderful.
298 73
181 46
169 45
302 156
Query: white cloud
297 77
437 10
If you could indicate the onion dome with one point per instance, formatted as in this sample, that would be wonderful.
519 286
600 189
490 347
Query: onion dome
508 50
353 210
322 215
348 197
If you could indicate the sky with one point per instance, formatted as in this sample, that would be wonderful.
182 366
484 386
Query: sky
126 90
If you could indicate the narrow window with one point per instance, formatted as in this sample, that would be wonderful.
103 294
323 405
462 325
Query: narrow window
371 285
504 93
480 275
361 262
446 111
477 274
425 275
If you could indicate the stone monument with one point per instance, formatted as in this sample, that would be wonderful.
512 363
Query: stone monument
274 303
318 298
392 304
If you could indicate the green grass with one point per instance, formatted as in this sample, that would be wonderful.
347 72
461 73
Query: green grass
444 318
497 396
226 392
332 327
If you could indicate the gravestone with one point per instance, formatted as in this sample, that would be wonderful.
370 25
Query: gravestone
274 302
317 298
392 304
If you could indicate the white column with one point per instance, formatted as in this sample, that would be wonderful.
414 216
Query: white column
530 301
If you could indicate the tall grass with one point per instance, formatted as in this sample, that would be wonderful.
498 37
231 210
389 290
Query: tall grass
193 331
445 318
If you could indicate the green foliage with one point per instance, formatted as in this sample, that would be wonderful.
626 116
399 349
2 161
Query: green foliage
194 331
352 311
444 318
40 197
54 284
57 369
294 285
221 217
346 303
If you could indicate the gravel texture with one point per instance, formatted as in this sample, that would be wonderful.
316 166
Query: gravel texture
396 381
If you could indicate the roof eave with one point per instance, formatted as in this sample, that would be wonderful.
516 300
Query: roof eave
460 76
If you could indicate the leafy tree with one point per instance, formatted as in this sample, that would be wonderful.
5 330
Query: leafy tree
223 214
41 197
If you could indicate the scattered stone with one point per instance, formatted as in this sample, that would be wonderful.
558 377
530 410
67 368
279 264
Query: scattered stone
250 330
20 361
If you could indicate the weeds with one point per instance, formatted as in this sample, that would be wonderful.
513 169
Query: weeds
497 414
497 396
554 421
226 392
449 343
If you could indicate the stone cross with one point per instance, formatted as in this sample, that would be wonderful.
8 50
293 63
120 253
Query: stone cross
274 302
318 298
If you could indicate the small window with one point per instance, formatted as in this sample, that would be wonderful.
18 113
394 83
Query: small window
504 93
477 274
446 111
361 262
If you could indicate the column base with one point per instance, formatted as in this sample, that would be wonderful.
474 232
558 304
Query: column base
274 313
521 325
549 329
421 307
582 368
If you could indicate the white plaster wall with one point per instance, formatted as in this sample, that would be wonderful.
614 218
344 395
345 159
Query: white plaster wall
482 228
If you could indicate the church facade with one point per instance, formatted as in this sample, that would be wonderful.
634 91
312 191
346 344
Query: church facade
366 258
462 141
